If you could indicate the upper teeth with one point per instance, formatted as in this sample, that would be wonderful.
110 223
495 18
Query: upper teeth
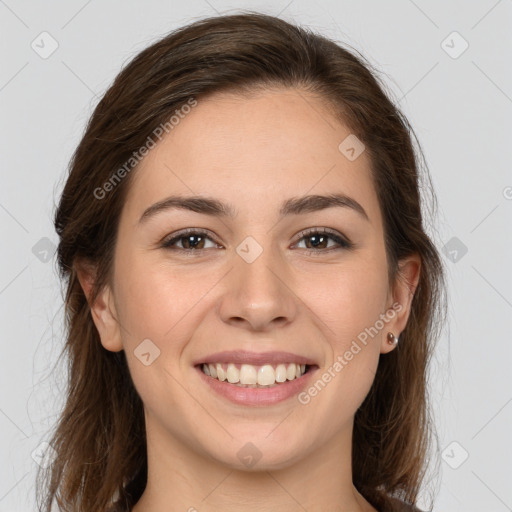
265 375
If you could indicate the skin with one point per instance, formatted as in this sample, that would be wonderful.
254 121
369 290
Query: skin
252 153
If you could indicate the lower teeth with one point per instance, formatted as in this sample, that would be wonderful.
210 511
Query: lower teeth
256 385
253 385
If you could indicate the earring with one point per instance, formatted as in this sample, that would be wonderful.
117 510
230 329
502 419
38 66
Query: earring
392 340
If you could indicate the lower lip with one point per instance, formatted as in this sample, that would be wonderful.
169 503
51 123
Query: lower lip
257 396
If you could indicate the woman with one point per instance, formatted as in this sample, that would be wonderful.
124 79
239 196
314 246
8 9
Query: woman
252 300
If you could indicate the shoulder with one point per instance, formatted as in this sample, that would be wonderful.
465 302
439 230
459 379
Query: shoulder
118 507
401 506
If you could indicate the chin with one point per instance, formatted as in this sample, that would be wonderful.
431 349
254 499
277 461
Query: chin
258 451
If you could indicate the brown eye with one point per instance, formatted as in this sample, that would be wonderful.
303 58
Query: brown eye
317 241
190 241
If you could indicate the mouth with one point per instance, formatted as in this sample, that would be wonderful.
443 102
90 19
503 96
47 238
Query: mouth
260 384
255 376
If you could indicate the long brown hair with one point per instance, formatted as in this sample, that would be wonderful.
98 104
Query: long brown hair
99 439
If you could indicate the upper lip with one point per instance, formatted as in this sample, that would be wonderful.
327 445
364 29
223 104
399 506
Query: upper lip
254 358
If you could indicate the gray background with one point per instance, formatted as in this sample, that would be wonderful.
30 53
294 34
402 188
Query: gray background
460 106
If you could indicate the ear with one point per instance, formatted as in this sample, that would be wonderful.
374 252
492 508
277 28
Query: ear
400 298
103 310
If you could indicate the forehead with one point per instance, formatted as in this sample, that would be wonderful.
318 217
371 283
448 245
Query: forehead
253 150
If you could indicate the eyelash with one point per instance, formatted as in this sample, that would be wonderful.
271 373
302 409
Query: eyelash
343 242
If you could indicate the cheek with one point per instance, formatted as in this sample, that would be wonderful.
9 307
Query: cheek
161 304
155 301
349 307
348 299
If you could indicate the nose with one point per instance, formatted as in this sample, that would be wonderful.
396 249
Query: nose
258 295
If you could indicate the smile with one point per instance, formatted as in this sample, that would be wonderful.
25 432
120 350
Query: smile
248 375
246 390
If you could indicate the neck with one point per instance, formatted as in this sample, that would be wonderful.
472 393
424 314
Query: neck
181 478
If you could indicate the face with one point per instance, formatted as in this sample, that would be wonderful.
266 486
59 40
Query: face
309 285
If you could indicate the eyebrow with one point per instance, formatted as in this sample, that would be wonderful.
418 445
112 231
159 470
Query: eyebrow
216 208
